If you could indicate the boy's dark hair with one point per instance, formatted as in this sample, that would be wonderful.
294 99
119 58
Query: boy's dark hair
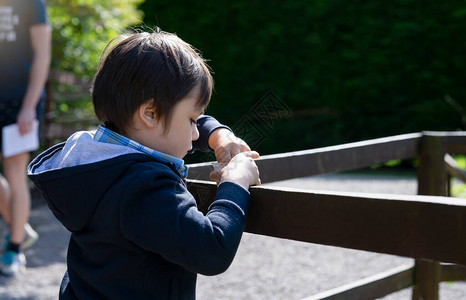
158 67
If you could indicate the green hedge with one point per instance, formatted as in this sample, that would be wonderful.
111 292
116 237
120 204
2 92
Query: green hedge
346 70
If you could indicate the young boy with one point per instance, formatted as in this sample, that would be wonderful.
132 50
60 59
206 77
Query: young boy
136 232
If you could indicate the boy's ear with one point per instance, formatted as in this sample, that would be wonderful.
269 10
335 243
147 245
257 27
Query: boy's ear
147 115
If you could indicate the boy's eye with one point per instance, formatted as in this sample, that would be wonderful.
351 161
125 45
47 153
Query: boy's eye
193 121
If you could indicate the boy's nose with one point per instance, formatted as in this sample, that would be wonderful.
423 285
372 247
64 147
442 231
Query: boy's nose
195 133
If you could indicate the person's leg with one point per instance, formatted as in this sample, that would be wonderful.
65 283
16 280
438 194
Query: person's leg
14 169
5 198
13 260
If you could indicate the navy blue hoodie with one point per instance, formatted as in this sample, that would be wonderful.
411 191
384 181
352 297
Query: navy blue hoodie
136 232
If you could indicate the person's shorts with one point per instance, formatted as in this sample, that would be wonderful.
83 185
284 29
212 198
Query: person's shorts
9 112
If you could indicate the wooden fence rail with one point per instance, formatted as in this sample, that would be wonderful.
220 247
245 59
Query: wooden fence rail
412 226
430 228
333 159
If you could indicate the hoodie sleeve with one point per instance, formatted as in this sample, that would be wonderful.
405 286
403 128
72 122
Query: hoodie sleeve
162 217
206 125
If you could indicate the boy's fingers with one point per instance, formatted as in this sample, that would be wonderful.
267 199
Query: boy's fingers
252 154
215 176
244 147
225 157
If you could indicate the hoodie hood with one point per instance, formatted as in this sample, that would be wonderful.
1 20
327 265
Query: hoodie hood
81 169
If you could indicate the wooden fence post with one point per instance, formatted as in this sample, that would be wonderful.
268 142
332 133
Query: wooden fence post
432 180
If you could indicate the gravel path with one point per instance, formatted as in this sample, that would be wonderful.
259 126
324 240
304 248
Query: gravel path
264 268
45 260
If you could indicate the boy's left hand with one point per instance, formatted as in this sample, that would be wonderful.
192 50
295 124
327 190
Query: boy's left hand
226 145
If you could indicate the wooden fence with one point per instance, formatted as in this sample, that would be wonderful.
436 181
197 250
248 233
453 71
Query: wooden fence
430 227
52 128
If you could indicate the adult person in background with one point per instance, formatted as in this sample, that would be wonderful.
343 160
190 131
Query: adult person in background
25 46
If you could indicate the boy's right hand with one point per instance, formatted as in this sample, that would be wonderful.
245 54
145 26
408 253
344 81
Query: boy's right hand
241 170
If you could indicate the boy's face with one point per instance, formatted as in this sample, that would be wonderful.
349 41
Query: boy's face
182 128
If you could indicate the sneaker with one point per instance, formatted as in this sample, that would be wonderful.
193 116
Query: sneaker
30 237
11 263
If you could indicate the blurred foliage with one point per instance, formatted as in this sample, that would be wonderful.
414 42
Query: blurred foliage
458 189
82 28
80 31
348 70
73 105
461 161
